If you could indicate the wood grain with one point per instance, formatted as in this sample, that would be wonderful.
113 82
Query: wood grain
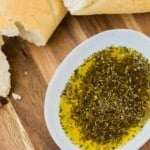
12 123
22 122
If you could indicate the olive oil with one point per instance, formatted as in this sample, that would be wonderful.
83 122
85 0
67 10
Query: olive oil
106 102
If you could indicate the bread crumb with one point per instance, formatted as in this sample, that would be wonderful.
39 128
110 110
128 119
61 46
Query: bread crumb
25 72
16 96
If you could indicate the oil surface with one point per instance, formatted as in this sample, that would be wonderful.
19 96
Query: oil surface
69 101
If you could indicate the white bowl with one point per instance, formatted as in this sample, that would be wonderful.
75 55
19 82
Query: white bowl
118 37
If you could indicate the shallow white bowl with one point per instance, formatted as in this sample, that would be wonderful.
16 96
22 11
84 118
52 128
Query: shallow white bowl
118 37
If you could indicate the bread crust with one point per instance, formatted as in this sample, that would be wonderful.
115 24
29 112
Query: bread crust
7 27
37 18
89 7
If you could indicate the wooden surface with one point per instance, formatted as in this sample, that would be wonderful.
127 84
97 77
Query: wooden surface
22 125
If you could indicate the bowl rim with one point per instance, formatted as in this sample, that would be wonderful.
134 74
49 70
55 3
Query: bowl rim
76 51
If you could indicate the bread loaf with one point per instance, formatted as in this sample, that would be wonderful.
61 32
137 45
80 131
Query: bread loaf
34 20
7 28
89 7
4 73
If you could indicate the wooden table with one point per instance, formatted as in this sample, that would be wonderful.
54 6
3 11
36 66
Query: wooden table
22 125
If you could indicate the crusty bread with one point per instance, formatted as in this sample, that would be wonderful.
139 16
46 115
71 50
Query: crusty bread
4 73
7 28
88 7
35 20
1 41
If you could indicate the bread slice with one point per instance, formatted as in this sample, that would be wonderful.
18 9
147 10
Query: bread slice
89 7
5 84
35 20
